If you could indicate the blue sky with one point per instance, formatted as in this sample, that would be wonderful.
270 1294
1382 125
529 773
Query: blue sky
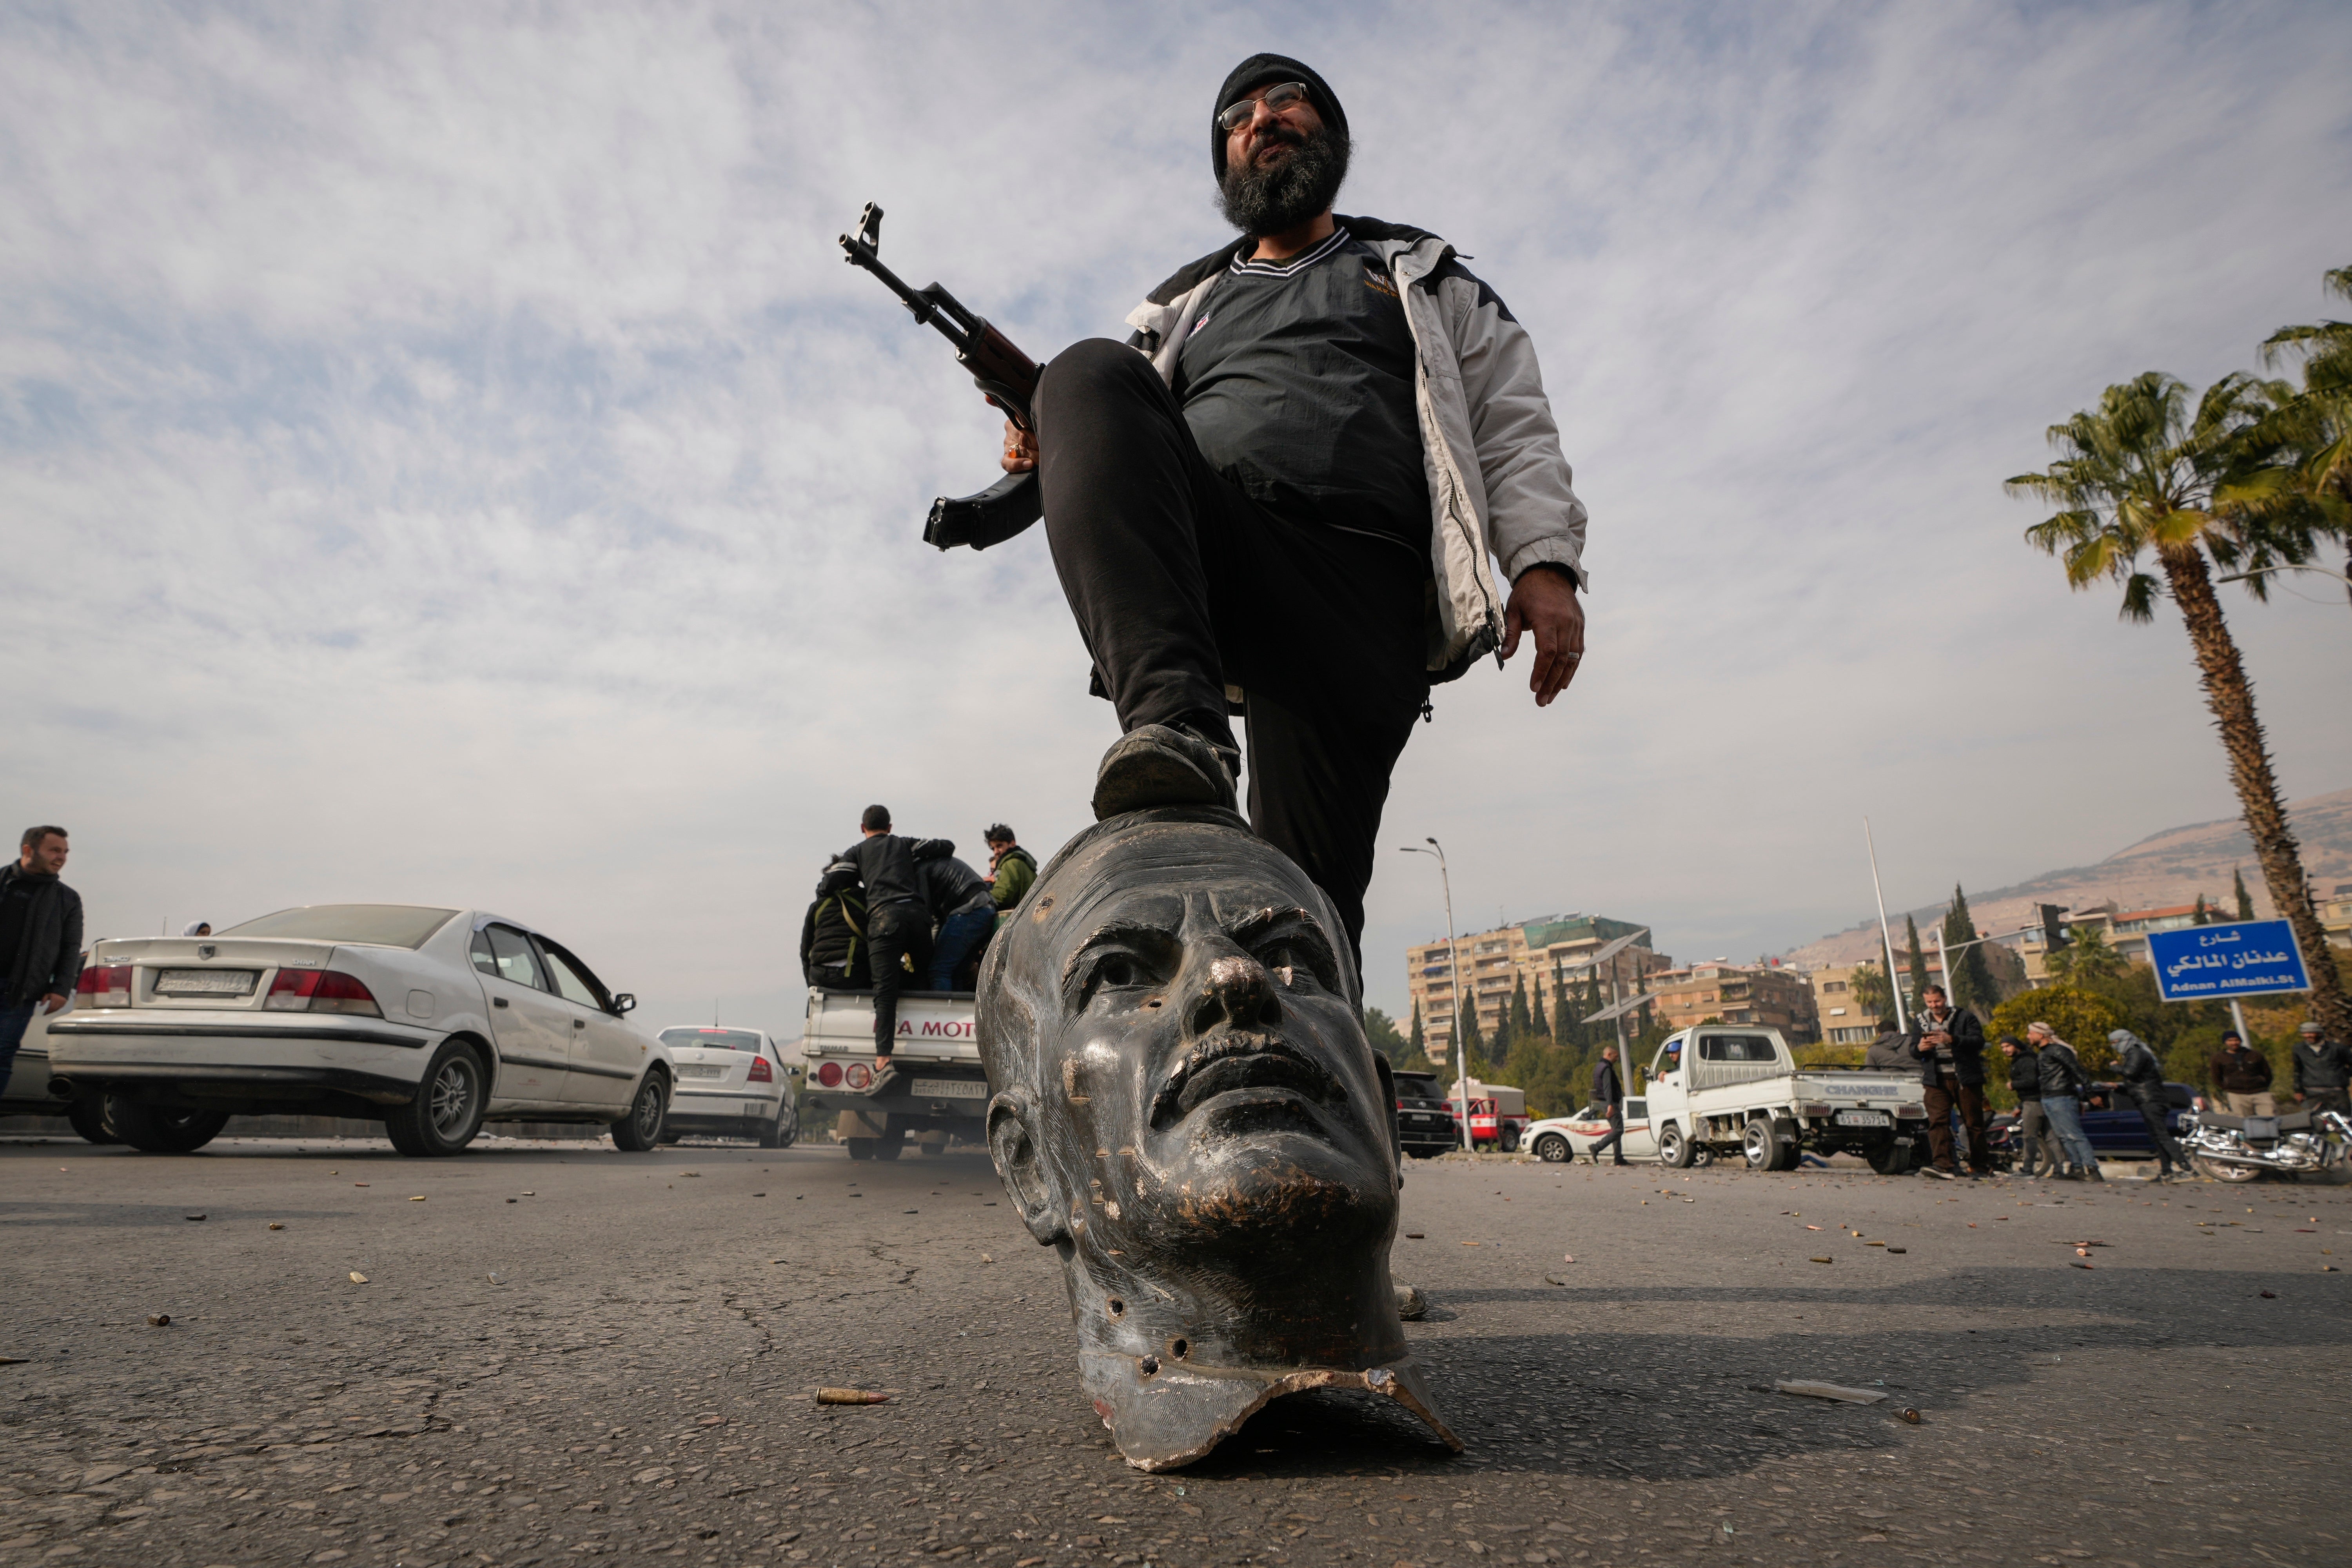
443 457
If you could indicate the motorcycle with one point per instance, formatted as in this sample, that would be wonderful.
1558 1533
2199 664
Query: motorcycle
2240 1148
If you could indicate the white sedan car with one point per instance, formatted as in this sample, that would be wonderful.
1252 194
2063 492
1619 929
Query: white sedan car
429 1020
1559 1138
731 1083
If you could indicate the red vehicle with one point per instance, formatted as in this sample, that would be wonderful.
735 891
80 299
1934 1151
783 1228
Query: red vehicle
1498 1116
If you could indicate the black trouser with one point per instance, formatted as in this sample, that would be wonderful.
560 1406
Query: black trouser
2335 1100
1616 1139
1942 1098
2150 1101
893 932
1182 584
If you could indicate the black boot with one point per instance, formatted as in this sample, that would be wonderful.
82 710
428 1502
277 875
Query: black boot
1164 764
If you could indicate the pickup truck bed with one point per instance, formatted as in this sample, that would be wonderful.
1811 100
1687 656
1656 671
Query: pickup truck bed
940 1090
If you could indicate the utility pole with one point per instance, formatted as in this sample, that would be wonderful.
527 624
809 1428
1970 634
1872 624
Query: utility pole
1453 979
1885 936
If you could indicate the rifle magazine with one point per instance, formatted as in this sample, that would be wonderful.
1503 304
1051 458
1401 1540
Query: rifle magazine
987 517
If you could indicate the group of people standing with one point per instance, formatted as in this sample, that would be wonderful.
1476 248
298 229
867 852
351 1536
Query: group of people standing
2323 1074
891 909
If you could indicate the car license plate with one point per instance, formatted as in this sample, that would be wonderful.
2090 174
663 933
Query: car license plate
950 1088
697 1070
1864 1118
205 983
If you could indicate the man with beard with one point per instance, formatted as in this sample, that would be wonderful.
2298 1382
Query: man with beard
1285 504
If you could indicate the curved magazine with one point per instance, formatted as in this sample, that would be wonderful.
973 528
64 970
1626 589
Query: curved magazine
990 517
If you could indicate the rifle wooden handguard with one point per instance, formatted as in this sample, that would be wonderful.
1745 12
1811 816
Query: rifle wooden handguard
990 517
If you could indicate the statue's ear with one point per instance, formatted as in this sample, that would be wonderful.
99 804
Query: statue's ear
1012 1144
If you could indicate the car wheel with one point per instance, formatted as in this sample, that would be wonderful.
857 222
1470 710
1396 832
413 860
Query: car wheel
891 1146
2222 1171
1761 1145
641 1129
1425 1153
772 1136
448 1110
1551 1148
859 1147
1510 1141
1891 1157
152 1130
93 1117
1673 1148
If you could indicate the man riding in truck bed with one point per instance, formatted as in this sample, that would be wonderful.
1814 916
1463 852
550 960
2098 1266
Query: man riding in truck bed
1284 505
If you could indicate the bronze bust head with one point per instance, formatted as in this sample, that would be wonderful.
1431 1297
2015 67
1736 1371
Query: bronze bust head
1184 1105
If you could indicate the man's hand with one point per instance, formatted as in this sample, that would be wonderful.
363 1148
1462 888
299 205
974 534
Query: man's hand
52 1002
1020 449
1543 601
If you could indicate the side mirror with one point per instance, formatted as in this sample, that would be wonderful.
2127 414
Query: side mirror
624 1001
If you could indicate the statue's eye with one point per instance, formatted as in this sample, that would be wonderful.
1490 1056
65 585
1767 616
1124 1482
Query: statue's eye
1117 971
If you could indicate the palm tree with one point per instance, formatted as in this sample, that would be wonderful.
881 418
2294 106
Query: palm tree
2144 474
2314 485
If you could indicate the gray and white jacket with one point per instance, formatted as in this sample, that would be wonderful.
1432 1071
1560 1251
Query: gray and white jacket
1498 483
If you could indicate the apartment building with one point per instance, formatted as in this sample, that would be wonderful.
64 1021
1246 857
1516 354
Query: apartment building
1736 994
1488 966
1843 1021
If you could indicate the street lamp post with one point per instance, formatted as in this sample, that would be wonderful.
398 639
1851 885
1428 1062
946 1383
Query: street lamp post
1453 979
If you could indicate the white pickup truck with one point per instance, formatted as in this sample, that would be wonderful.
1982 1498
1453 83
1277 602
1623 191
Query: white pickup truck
1739 1089
940 1088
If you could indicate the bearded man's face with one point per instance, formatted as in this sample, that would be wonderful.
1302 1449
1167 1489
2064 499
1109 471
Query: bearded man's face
1282 173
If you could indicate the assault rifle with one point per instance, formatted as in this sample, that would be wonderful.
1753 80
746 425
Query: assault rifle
1006 375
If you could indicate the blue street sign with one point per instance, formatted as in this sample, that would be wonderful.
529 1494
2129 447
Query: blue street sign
2212 963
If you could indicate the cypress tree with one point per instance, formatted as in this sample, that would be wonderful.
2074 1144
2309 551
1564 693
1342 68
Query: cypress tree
1419 1046
1970 978
2246 899
1474 1047
2201 915
1542 1019
1522 1020
1916 962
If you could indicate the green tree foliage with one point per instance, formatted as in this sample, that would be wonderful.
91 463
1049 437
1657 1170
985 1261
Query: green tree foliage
1420 1041
2081 1018
1874 998
1382 1031
1542 1019
1915 960
2246 899
1971 978
1474 1044
1522 1020
2202 915
2088 960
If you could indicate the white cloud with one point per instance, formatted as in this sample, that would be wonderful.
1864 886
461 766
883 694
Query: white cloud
444 457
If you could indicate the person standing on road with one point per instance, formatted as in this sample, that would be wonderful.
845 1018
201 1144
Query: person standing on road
1891 1052
40 938
1287 495
2242 1077
1949 1043
2063 1082
2322 1070
898 920
1609 1093
2033 1134
960 898
832 932
2143 1082
1012 867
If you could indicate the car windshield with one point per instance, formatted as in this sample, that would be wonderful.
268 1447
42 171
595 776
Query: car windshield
1417 1086
373 925
713 1039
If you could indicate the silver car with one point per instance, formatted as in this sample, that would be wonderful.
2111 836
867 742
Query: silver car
731 1083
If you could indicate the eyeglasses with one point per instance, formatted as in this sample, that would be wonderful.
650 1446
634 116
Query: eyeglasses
1279 99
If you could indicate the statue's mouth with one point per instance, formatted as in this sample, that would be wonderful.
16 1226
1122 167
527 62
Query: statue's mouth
1226 1064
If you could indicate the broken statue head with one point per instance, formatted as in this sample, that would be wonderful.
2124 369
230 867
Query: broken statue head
1184 1105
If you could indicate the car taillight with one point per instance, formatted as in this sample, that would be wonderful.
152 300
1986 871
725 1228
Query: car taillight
319 991
859 1074
829 1073
1813 1110
104 985
760 1071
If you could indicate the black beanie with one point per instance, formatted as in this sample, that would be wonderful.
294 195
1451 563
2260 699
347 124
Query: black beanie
1263 71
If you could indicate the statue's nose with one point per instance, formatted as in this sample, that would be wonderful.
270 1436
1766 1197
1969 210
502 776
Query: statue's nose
1237 989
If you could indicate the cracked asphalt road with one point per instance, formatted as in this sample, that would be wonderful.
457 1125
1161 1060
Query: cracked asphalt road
564 1353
